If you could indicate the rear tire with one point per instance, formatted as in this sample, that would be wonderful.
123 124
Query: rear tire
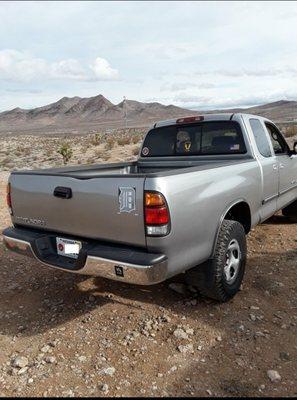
220 277
291 211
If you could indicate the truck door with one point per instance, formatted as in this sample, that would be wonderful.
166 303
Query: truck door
287 165
269 168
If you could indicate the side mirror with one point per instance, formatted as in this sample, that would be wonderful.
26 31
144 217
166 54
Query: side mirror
295 148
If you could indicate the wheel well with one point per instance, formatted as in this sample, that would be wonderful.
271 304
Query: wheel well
241 213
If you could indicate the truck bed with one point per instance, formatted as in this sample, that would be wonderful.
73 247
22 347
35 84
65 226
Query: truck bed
93 209
138 168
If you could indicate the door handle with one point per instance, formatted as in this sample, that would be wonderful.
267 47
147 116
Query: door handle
274 166
63 192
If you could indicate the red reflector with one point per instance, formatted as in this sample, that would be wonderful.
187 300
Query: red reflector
156 215
8 200
61 247
189 119
8 197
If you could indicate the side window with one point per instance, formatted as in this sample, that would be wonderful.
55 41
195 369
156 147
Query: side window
260 137
278 142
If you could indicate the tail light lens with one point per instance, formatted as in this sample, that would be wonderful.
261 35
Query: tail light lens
187 120
157 217
8 198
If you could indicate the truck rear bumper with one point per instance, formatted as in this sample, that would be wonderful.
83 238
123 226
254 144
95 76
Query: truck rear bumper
110 261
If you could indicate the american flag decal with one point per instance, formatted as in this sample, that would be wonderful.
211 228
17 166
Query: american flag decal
127 196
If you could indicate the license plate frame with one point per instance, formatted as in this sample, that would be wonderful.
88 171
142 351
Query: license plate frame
68 247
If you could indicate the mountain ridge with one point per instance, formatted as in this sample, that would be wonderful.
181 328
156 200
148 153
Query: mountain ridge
85 113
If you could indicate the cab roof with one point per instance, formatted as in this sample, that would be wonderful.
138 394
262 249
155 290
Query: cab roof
204 117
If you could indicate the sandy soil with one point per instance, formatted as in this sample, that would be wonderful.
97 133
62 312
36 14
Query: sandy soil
82 336
29 151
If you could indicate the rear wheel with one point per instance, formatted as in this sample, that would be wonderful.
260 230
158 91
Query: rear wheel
291 211
220 277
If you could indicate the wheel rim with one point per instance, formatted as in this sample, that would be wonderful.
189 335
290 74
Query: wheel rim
233 258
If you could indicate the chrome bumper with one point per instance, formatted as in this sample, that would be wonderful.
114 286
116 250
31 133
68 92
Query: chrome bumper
102 267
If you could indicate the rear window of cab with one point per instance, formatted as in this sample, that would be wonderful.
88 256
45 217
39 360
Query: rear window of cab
204 138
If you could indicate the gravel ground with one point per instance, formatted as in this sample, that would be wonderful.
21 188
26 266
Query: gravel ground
62 334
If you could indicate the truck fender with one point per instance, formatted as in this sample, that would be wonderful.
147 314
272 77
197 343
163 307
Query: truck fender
223 216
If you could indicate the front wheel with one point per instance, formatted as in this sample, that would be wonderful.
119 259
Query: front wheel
220 277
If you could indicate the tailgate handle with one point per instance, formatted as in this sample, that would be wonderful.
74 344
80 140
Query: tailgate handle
63 192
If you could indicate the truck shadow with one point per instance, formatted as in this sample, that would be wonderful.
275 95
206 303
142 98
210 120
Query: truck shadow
36 299
278 219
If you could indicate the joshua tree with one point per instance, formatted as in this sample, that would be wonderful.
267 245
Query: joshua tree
66 152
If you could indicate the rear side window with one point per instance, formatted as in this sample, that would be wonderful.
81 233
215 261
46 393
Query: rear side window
278 142
206 138
260 137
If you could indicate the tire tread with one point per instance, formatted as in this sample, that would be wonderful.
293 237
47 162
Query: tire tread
208 276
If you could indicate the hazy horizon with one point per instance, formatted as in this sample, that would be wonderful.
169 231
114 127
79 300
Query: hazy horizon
193 108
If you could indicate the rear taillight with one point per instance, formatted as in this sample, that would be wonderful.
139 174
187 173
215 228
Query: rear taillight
156 214
8 198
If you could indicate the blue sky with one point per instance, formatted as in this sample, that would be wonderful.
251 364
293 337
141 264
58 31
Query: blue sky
193 54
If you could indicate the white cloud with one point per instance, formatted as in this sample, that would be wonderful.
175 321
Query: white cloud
68 69
188 98
18 66
103 71
249 72
177 86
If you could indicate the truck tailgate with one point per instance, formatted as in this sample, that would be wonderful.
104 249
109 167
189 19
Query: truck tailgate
104 208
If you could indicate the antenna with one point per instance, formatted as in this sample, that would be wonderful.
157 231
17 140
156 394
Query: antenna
125 111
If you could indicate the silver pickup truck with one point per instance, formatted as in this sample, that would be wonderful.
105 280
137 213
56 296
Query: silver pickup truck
198 187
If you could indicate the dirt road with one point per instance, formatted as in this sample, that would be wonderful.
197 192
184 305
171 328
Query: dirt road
62 334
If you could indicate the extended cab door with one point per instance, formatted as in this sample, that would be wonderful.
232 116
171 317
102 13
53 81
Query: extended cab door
287 165
269 167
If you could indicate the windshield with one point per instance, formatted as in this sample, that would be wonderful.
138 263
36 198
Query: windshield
205 138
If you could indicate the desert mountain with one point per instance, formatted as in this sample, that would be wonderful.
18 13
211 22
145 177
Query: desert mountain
77 114
278 111
83 113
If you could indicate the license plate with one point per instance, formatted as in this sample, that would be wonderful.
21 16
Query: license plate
67 247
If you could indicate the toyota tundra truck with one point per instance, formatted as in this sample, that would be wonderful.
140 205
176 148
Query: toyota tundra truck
199 185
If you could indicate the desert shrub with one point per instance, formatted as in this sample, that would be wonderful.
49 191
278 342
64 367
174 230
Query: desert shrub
84 149
135 151
66 152
124 140
26 151
110 143
291 131
99 153
7 164
96 139
105 157
48 152
6 161
136 138
91 160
